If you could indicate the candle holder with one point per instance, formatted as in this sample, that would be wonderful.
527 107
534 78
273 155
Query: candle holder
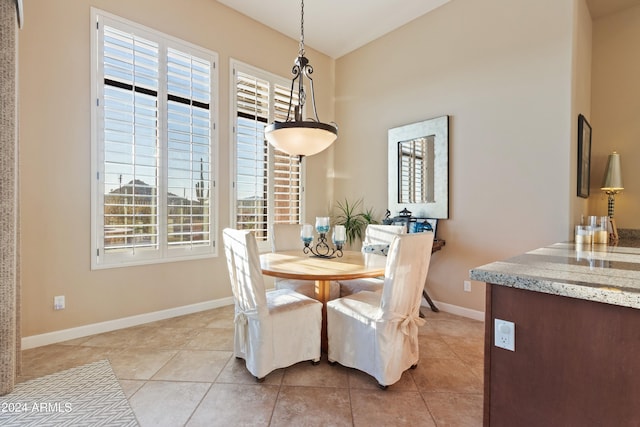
322 248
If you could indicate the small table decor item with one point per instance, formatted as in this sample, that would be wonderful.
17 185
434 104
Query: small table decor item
322 248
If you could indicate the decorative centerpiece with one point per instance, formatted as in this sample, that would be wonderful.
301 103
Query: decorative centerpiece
322 249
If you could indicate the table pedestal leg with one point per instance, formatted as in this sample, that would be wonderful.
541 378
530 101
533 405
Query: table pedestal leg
322 289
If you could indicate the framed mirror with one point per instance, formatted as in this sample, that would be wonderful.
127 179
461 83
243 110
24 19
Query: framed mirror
419 168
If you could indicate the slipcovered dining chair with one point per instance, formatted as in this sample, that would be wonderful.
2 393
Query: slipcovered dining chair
286 237
378 332
272 329
377 238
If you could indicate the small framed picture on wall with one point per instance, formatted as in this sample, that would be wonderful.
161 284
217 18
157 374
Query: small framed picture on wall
584 156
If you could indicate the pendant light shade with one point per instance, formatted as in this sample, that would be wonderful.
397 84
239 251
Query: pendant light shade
295 136
304 138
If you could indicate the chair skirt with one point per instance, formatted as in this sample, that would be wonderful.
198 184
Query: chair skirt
369 344
269 342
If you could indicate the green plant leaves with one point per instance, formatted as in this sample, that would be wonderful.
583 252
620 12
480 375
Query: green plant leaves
355 220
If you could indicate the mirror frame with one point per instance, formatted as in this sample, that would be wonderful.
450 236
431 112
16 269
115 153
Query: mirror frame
439 129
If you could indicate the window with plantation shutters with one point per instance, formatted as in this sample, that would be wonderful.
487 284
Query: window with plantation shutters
152 147
267 182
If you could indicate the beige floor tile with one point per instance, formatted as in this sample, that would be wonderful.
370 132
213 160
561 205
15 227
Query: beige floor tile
77 341
384 408
122 338
434 348
138 364
162 403
446 375
236 405
212 339
321 375
236 372
455 410
192 321
221 323
458 328
194 365
312 406
166 338
362 380
182 370
129 387
46 360
222 317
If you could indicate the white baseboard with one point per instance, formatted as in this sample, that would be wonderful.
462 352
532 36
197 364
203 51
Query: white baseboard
125 322
457 310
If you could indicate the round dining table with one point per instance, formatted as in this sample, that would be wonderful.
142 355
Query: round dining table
297 265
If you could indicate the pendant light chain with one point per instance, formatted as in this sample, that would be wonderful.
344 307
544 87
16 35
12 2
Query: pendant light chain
301 52
296 136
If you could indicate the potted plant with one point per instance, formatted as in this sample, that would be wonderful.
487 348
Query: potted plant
354 221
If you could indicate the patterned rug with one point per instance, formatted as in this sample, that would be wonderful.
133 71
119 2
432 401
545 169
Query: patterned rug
88 395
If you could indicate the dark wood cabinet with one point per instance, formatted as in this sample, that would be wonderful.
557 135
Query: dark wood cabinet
576 362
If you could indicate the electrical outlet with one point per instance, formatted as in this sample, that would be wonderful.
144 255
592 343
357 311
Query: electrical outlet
467 286
505 334
58 302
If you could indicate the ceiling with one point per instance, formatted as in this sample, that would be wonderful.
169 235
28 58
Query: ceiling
336 27
600 8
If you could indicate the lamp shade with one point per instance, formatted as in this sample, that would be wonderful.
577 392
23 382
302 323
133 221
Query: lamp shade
612 181
301 138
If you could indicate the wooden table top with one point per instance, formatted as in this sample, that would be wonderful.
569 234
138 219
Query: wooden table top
297 265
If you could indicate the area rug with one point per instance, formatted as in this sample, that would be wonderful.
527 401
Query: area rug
89 395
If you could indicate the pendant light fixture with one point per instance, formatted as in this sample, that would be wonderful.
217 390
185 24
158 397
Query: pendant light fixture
295 136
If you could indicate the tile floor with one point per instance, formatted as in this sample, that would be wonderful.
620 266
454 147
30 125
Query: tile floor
181 372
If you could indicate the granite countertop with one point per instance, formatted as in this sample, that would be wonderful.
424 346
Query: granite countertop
607 274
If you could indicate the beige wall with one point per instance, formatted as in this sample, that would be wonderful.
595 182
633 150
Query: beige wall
581 71
502 70
54 91
615 111
507 73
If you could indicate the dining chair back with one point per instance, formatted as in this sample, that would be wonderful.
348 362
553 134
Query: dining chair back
376 234
377 239
378 332
273 329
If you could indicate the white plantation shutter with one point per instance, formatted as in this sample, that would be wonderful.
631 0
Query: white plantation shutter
287 179
130 142
153 143
267 182
252 157
189 150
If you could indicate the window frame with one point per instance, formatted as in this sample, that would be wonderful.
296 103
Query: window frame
273 79
100 259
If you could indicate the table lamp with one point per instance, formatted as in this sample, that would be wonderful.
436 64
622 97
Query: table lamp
612 185
612 182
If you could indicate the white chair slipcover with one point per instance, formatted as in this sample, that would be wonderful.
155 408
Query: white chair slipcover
272 329
378 332
286 237
377 238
